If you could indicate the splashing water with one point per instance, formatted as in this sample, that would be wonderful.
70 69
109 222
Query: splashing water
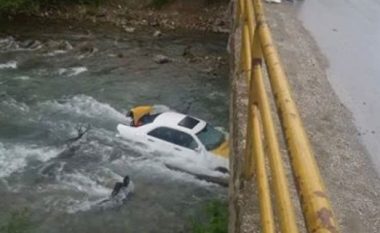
15 157
9 65
82 105
73 71
48 90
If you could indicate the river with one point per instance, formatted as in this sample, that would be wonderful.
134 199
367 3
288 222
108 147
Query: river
348 33
56 78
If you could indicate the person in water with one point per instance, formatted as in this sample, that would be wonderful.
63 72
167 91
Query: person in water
145 114
121 191
137 115
124 187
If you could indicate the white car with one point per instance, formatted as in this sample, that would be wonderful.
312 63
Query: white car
182 135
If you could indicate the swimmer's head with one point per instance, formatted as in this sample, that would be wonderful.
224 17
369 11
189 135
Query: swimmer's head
126 181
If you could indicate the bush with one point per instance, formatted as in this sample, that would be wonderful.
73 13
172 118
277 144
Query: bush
18 222
160 3
11 4
217 219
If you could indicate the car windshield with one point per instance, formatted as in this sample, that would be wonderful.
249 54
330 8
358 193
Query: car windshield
210 137
148 118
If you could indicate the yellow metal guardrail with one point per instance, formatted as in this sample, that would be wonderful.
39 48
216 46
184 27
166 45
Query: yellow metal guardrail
257 46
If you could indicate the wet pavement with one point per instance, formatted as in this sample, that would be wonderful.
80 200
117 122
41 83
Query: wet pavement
348 33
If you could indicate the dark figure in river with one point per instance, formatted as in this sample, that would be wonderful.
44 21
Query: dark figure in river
119 194
124 188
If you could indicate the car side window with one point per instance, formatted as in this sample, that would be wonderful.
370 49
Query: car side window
174 136
161 133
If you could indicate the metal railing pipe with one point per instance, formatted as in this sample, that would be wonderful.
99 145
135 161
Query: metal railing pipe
266 213
316 207
279 182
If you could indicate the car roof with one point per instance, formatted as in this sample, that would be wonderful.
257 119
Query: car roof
173 120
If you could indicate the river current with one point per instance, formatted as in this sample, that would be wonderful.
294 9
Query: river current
56 80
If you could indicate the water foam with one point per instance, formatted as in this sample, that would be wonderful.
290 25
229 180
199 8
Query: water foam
11 44
6 40
154 164
83 183
14 157
82 105
203 163
94 191
9 65
22 78
73 71
8 43
11 104
75 206
55 52
9 108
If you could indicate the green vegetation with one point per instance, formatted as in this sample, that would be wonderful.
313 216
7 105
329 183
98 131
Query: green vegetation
30 5
160 3
217 219
18 222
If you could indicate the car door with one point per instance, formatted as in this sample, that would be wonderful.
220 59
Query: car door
175 141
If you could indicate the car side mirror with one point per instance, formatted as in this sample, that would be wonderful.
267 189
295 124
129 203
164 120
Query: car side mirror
199 149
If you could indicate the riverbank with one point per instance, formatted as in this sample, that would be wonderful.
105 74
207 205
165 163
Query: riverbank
128 17
199 15
345 164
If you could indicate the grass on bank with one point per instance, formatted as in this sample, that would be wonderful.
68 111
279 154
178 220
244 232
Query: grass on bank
213 220
160 3
17 222
217 219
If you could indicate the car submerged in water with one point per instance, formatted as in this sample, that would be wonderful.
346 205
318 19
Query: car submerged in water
179 134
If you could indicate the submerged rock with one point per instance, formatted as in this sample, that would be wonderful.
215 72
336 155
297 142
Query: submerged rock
161 59
129 29
31 44
58 45
157 33
8 43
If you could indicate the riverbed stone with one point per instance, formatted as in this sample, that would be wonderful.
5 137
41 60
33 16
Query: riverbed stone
161 59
